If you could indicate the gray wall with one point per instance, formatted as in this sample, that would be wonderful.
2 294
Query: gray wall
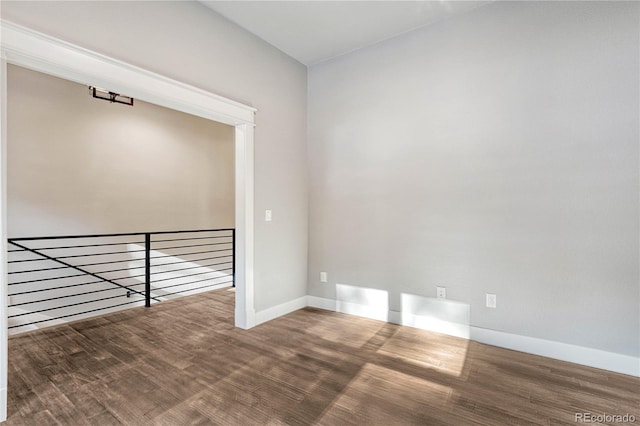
493 152
190 43
91 167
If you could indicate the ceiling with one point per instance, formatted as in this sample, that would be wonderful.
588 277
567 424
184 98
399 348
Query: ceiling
314 31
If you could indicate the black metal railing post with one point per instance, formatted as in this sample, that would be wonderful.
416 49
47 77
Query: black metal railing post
147 270
233 257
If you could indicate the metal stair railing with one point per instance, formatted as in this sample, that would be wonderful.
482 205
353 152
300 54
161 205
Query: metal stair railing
165 263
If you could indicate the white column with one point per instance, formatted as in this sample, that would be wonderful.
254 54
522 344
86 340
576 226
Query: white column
245 312
4 335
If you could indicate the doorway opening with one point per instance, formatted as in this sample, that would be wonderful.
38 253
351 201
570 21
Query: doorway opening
100 197
39 52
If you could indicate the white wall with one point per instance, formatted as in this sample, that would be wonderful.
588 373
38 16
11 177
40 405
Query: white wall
190 43
90 166
495 152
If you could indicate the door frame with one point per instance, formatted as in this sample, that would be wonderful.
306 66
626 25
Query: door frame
39 52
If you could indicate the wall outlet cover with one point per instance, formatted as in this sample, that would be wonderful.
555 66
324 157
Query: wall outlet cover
491 300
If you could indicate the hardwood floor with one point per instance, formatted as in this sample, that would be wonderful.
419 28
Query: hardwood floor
183 363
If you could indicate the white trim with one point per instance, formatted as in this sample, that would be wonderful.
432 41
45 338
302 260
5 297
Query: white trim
422 322
349 308
244 308
597 358
280 310
590 357
322 303
4 289
395 317
40 52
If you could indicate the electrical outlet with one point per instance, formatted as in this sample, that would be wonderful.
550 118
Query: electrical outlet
441 292
491 300
267 215
323 277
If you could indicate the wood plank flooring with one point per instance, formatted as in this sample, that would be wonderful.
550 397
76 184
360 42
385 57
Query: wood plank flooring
183 363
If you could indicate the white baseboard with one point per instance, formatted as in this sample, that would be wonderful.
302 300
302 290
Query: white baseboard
430 324
244 319
401 318
279 310
321 303
596 358
357 309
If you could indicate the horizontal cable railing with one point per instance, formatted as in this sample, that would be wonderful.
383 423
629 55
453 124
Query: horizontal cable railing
58 278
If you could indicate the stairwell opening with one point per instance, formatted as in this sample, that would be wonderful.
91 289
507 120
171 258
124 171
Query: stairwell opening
89 182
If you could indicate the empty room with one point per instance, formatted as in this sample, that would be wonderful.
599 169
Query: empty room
320 212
